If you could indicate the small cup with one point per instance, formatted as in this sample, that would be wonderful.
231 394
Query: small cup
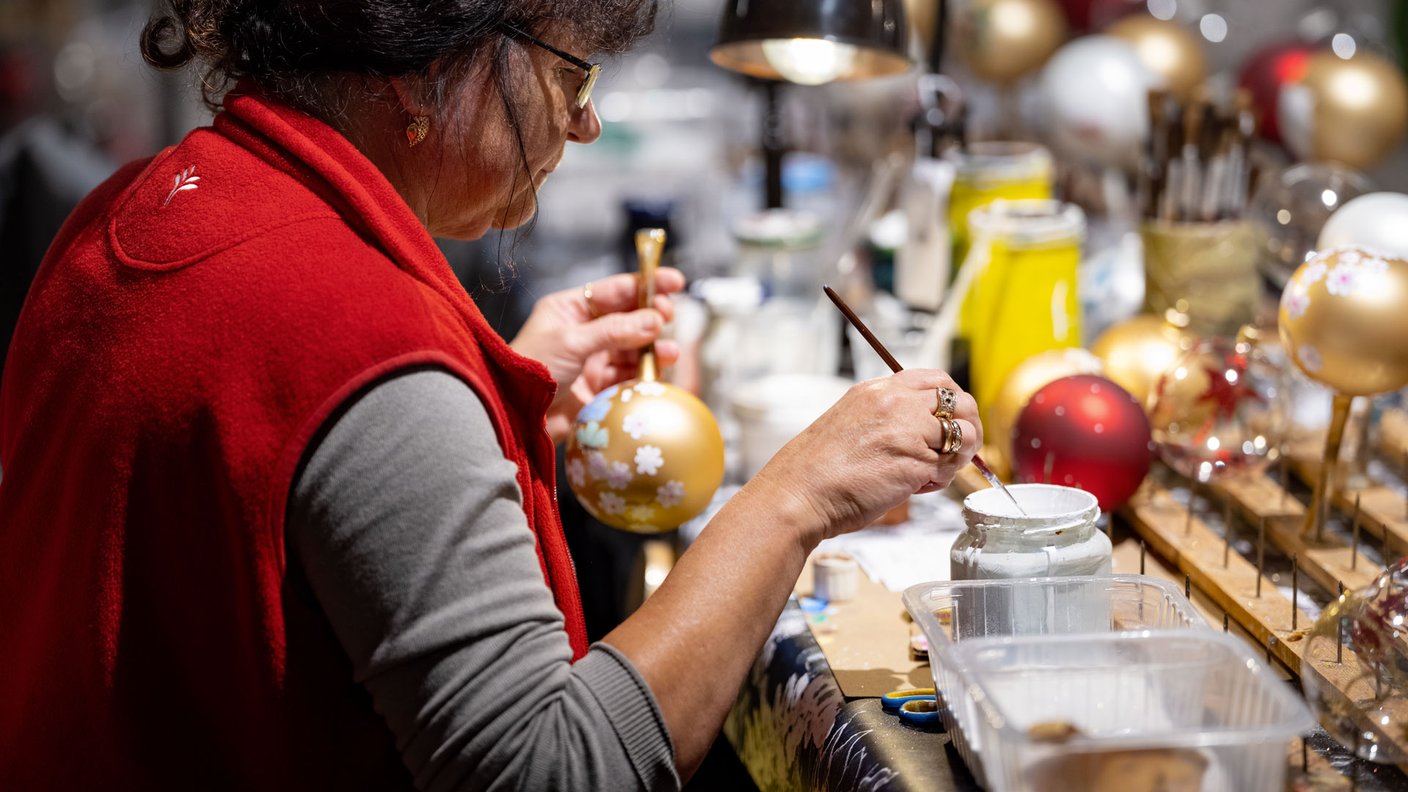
835 577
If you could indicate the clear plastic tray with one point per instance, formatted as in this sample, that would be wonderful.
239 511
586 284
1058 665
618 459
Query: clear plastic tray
951 612
1184 709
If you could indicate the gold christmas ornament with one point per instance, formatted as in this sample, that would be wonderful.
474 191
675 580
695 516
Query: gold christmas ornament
1003 41
1030 376
1344 322
1137 352
1349 110
1167 48
645 456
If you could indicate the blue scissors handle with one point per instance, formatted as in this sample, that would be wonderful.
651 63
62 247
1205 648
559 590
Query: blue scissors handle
895 699
920 712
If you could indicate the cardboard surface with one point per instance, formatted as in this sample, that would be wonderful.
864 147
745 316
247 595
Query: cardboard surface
866 641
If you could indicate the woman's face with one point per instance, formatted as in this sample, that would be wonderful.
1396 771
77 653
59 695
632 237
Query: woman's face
491 183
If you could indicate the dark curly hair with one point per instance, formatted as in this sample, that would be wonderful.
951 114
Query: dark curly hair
290 46
304 51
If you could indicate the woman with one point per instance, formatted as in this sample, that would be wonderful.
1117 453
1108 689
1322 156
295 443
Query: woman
277 508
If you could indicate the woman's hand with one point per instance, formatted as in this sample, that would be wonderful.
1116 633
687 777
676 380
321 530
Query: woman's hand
588 347
871 450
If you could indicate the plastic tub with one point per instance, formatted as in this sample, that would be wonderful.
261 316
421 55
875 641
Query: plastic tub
773 410
954 612
1129 712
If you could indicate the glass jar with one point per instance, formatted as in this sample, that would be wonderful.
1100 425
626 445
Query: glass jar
1057 538
1024 299
991 171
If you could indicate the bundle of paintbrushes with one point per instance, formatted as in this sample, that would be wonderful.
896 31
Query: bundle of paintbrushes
1197 161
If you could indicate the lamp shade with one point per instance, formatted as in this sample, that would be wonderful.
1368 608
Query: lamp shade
813 41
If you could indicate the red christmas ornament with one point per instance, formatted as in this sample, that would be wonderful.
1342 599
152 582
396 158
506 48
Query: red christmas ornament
1266 73
1084 431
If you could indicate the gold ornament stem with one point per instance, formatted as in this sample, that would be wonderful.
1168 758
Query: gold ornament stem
650 244
1314 517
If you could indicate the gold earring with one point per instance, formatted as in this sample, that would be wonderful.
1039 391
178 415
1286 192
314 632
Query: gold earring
419 128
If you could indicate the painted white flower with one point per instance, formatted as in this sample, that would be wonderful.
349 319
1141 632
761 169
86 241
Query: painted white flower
641 514
648 460
1313 273
636 425
611 503
619 475
669 494
1341 280
1348 255
576 472
626 395
597 465
650 389
1310 358
1295 302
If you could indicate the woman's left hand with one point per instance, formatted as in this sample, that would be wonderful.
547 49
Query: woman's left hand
589 347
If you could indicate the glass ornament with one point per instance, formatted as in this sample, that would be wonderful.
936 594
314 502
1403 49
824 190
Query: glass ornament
1358 688
1220 410
1289 208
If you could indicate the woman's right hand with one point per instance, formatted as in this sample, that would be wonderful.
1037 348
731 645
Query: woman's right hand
871 450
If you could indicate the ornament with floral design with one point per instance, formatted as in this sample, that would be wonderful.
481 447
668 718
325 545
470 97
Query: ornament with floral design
645 456
1344 322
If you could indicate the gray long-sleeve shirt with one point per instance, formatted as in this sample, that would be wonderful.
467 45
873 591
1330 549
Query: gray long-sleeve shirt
407 521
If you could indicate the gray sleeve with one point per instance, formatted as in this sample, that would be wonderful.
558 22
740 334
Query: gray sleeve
408 524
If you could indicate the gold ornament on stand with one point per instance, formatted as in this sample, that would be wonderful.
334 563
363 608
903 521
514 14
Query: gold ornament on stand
1168 49
1344 322
1347 110
1002 41
1030 376
1137 351
645 456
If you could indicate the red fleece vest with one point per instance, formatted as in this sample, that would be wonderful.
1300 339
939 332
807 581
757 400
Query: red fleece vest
197 320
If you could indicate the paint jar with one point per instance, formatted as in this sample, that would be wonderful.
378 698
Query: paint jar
1056 537
1021 297
993 171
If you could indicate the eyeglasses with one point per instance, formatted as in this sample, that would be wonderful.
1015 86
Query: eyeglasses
592 70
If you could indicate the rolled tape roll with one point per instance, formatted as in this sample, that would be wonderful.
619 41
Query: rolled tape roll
835 577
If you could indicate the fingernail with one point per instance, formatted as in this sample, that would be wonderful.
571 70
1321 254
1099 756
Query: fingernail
649 323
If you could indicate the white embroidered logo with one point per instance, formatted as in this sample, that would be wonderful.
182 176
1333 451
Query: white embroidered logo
185 180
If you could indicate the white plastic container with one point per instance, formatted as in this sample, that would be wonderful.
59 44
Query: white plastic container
773 410
952 613
1188 709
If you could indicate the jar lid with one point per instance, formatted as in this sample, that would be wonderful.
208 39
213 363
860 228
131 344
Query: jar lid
1050 508
1000 161
779 229
1028 222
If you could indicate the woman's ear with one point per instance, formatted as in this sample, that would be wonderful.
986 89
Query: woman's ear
411 95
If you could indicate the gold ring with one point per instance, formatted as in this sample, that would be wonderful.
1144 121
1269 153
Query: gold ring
587 295
948 403
953 436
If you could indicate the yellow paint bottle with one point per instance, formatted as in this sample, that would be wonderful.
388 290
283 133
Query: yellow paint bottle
1024 300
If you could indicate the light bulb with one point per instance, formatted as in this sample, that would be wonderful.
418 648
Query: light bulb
809 61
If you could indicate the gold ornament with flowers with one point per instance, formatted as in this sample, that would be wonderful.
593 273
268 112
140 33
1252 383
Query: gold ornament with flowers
1344 320
645 456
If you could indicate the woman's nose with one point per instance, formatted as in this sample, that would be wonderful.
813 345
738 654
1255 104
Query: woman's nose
585 126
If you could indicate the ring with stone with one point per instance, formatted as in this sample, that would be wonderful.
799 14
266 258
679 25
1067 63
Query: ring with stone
948 403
